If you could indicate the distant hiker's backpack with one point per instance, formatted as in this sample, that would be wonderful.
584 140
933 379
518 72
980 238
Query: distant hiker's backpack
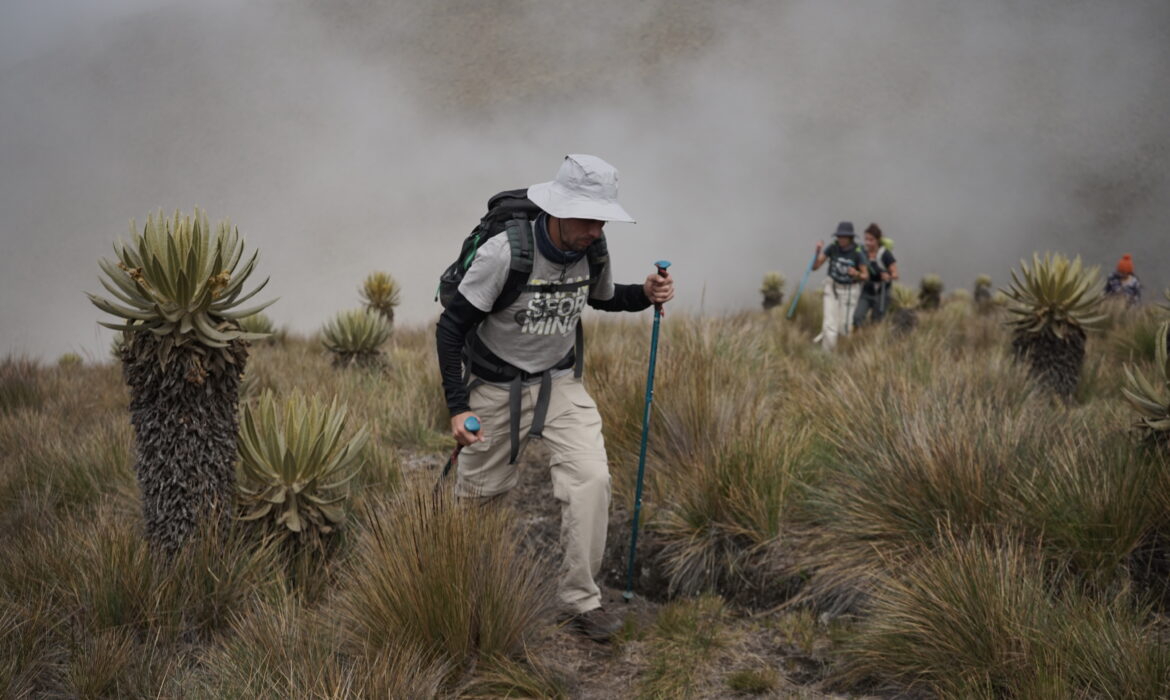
878 262
509 212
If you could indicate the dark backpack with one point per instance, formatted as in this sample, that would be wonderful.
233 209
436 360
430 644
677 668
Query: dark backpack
512 212
509 212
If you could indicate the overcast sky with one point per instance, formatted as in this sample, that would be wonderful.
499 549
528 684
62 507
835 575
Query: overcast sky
350 136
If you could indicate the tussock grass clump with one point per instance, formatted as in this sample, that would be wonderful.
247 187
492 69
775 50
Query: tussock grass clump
67 471
728 509
27 650
810 311
430 573
754 681
280 649
899 459
120 583
19 387
983 619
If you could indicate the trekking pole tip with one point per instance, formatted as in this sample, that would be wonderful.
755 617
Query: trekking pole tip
628 595
472 424
662 264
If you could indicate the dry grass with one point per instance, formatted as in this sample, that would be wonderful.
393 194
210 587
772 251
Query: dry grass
985 619
986 540
433 574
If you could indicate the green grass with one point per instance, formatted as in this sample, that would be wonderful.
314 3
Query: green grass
683 644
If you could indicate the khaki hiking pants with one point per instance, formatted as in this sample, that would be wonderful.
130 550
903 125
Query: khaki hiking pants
840 301
580 474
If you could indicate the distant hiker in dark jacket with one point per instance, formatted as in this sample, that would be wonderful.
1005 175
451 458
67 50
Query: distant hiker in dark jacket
1124 283
883 270
524 375
847 269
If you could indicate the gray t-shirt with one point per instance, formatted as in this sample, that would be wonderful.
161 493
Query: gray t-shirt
538 329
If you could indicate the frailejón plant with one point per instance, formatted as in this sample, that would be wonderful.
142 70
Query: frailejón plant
354 337
177 291
295 463
1052 305
381 293
930 292
903 301
772 290
1151 399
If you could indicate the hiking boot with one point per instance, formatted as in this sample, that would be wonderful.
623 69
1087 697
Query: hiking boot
596 624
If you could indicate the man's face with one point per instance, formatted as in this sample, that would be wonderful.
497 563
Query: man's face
844 241
577 234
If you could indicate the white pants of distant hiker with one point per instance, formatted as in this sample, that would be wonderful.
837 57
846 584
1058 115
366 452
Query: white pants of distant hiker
840 302
580 474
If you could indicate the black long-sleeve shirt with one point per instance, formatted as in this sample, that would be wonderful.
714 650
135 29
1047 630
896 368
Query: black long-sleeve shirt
461 317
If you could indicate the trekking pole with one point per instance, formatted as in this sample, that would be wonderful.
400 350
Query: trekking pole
629 592
800 289
473 426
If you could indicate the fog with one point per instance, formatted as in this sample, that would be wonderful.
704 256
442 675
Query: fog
350 136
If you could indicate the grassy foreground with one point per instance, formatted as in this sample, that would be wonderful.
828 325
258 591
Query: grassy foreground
910 515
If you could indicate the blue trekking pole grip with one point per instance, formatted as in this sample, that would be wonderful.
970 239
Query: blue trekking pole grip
472 425
803 280
628 595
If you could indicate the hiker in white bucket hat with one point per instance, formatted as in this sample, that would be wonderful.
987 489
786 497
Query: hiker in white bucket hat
510 350
586 187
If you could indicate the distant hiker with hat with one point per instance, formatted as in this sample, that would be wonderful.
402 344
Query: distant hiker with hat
847 269
882 270
511 353
1124 283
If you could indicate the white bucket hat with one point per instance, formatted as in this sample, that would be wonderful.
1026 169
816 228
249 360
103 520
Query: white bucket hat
586 187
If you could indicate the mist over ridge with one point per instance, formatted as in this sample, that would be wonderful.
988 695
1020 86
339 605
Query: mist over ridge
350 136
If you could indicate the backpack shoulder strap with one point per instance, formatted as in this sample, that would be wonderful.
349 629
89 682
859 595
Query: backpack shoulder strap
522 243
598 255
